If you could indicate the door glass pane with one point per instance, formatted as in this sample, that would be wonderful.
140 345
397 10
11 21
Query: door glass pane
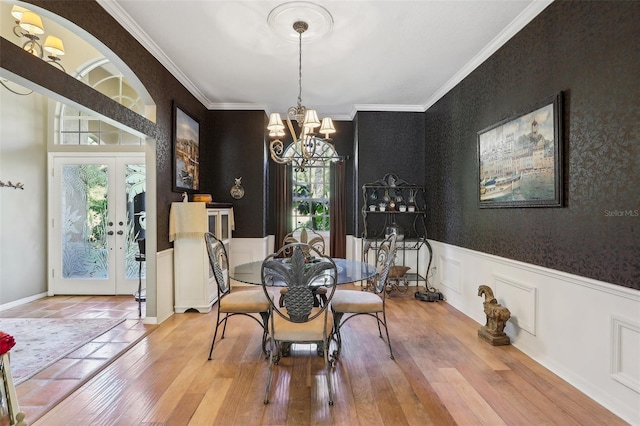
84 221
135 189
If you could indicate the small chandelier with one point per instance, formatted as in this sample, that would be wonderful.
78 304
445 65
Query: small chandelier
307 147
29 26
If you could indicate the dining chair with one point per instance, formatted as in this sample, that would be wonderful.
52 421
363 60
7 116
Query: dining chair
303 234
357 302
300 321
245 302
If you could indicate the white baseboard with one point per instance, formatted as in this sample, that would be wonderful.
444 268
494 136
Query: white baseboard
22 301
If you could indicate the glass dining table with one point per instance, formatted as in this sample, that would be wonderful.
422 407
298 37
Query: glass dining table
349 271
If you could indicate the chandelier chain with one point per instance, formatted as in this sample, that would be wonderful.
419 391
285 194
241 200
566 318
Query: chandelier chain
300 67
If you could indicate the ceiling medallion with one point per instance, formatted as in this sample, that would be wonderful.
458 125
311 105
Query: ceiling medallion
282 18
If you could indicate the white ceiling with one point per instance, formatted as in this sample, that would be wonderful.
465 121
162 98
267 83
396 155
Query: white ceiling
379 55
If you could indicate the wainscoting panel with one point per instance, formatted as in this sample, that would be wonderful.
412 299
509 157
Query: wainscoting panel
244 250
522 302
449 273
585 331
625 352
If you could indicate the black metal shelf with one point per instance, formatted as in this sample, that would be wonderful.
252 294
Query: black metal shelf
392 192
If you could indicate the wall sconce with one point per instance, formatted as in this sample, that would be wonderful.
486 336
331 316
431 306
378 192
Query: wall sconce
29 26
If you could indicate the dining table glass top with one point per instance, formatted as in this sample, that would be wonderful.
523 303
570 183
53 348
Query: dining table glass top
349 271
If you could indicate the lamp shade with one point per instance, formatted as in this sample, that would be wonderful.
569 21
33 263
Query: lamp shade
275 122
276 133
17 12
54 46
311 120
31 23
327 127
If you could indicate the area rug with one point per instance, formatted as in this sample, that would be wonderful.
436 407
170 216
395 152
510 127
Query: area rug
42 341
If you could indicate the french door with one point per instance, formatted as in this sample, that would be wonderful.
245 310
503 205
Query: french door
97 210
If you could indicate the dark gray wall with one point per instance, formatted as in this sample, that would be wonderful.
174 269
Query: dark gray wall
387 142
235 147
590 51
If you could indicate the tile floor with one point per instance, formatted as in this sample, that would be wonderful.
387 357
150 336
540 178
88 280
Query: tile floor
44 390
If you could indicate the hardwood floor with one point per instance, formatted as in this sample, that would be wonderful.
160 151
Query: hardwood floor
442 374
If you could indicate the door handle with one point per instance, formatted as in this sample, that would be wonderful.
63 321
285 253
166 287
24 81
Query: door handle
110 233
120 232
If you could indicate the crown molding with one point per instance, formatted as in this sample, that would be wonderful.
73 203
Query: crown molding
132 28
388 107
534 9
236 106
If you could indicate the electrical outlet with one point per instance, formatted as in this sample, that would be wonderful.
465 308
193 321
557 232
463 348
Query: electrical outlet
434 270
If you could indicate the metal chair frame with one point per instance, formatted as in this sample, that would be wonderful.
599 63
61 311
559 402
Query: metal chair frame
219 261
385 255
299 273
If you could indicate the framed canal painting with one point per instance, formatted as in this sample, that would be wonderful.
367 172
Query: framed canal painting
520 158
186 151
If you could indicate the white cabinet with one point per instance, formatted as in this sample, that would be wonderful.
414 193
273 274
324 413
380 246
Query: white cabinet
195 285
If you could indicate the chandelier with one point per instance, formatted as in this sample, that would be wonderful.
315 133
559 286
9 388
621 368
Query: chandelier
307 146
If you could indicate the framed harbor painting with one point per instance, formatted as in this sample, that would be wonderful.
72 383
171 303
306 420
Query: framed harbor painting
186 151
520 159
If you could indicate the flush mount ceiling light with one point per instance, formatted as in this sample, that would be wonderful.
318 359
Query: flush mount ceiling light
307 146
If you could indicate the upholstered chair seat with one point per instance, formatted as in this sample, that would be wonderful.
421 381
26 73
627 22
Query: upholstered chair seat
312 331
356 301
248 301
